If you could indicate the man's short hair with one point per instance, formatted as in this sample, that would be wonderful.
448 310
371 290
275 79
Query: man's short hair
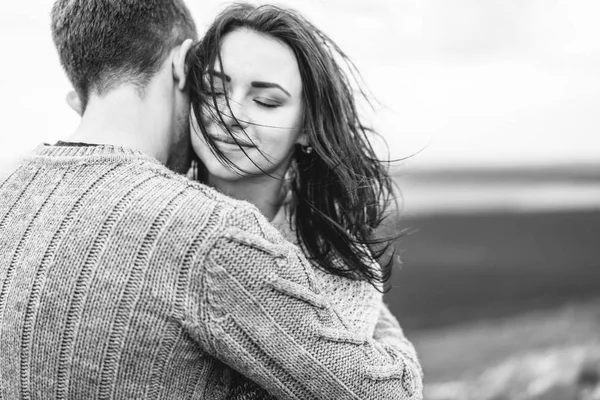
103 44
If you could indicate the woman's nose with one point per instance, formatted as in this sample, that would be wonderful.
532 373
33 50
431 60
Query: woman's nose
233 114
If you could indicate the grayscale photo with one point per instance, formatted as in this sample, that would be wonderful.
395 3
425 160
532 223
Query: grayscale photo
317 199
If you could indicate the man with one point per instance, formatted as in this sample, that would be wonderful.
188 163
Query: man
121 279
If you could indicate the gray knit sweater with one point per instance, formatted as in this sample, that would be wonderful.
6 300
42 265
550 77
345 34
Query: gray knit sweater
120 279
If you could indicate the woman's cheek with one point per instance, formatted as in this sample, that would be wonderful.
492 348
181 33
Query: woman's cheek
207 116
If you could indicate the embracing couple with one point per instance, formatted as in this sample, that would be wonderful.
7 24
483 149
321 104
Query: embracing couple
208 231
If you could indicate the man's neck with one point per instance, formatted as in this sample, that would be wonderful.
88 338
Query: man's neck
122 118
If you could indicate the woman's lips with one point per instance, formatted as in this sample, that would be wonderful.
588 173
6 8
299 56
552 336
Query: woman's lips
230 140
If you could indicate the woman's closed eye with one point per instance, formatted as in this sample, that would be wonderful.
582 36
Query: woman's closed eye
215 90
267 103
214 93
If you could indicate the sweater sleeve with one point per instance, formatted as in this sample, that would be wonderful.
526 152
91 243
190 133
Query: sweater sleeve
389 334
261 312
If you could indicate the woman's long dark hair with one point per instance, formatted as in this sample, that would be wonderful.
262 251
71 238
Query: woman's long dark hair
341 192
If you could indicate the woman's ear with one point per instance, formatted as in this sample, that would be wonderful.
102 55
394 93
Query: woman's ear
180 70
74 102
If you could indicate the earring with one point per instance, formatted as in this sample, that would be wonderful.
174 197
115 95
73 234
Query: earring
307 149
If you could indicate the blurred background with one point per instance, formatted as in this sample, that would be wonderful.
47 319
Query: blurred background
494 105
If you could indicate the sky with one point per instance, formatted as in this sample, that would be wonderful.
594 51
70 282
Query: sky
461 83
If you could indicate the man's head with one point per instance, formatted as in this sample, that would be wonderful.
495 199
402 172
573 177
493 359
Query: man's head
105 45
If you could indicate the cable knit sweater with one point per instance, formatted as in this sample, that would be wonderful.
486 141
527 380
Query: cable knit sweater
357 303
120 279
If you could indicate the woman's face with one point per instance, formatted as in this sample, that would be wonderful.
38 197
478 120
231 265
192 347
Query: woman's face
265 95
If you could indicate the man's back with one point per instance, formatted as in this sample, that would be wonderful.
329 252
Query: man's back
120 279
97 246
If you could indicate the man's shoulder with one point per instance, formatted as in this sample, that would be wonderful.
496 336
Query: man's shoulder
197 195
234 215
166 180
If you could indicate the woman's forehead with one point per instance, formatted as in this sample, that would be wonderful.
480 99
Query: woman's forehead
249 56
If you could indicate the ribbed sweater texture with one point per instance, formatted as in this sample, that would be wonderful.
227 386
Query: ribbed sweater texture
122 280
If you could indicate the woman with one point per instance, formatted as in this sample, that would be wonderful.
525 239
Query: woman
275 123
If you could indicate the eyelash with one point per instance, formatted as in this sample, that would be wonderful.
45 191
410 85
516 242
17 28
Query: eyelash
261 104
266 105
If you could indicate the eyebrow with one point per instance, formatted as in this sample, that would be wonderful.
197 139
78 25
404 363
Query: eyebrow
268 85
218 74
255 84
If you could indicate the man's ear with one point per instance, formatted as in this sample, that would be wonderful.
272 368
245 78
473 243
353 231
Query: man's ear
180 70
74 102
